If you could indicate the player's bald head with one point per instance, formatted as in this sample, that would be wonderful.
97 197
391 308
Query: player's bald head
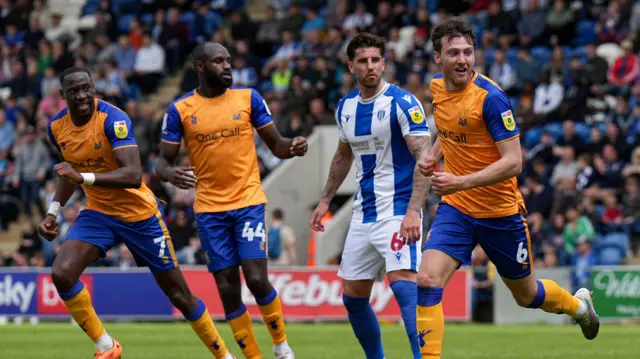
208 50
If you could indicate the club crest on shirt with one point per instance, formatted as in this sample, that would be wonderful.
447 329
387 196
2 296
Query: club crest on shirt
194 120
416 115
380 115
508 120
120 128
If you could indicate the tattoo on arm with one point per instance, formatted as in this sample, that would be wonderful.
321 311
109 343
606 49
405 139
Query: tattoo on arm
417 145
340 166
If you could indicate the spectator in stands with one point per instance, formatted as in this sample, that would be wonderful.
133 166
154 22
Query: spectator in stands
149 66
182 229
567 167
625 69
547 99
582 261
282 241
125 55
174 38
32 162
577 229
7 135
503 73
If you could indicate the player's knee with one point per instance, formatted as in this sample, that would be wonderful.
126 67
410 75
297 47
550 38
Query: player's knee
62 275
522 298
185 302
226 288
427 279
258 285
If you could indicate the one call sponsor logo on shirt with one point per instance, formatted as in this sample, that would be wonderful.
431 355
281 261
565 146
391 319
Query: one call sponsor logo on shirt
49 301
17 293
227 133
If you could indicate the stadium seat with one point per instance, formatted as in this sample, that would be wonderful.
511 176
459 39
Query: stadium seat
612 249
488 56
147 19
212 22
583 131
541 53
555 129
512 57
532 136
432 6
90 7
123 22
585 33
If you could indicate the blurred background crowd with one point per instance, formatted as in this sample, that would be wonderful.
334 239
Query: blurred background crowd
571 69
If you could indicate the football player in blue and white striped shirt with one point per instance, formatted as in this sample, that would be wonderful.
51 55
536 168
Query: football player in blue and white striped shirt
383 130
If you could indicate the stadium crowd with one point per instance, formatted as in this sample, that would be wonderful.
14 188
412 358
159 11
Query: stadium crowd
574 83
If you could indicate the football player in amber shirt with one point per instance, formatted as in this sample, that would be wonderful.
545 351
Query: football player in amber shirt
216 123
98 150
481 204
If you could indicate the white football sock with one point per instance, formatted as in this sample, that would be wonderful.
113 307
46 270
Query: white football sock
105 342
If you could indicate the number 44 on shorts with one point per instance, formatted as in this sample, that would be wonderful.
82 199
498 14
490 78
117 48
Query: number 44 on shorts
249 233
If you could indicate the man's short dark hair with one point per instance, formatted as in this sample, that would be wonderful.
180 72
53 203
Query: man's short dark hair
454 27
73 70
363 40
277 214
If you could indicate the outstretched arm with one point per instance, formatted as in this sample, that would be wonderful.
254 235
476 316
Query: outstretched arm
282 147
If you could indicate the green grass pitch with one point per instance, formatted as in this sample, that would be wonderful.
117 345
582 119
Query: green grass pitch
324 341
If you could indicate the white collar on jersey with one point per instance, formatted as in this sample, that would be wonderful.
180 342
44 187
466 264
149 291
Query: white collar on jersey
374 97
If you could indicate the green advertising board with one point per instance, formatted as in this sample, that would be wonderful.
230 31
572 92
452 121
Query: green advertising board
616 293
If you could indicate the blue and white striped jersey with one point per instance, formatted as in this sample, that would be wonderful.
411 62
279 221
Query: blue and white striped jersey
375 129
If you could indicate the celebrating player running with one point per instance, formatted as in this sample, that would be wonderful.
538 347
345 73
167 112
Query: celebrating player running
479 139
96 137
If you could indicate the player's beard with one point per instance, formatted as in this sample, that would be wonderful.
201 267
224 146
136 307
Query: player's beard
217 81
370 81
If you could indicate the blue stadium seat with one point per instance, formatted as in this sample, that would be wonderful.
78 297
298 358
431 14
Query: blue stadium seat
432 6
612 248
541 53
512 56
123 22
147 19
555 129
581 52
90 7
583 131
488 56
585 33
124 6
532 136
212 22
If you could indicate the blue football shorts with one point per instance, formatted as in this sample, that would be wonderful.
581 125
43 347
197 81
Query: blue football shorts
505 240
